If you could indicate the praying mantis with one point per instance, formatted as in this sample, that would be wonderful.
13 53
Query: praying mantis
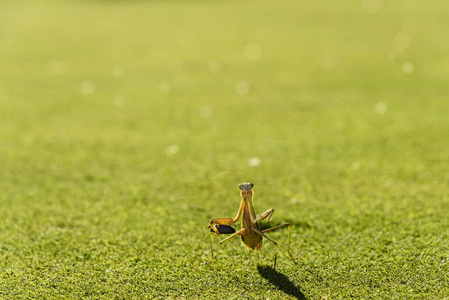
250 231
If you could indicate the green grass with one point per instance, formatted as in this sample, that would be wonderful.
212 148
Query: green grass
346 111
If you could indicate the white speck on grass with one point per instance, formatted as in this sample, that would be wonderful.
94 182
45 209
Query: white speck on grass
87 87
380 107
254 162
329 61
117 70
372 6
165 87
171 150
253 51
214 66
407 68
206 111
242 87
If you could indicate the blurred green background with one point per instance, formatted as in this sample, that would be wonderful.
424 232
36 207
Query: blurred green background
117 116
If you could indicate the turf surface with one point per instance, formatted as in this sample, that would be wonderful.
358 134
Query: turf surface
117 116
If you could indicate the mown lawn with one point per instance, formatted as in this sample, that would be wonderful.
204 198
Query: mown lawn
117 116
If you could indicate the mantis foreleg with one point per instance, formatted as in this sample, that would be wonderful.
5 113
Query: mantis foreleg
264 215
240 232
227 221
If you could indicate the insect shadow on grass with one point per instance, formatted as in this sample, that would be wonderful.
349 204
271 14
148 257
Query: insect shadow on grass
280 281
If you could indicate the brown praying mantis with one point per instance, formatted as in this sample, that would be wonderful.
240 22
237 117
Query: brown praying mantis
250 232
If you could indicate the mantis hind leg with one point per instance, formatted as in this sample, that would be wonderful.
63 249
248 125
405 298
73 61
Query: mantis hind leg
281 226
271 240
211 250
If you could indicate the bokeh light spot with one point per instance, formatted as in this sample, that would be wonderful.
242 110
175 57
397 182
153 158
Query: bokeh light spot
165 87
117 70
171 150
214 66
330 61
408 67
119 101
355 166
380 107
206 111
372 6
242 87
253 51
254 162
176 66
87 87
55 67
402 41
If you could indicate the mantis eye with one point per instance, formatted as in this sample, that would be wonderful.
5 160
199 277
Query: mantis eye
241 186
251 185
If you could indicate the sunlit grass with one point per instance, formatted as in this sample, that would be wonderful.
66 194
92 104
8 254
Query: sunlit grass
117 116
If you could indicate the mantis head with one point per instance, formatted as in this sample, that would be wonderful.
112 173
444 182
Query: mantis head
246 187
